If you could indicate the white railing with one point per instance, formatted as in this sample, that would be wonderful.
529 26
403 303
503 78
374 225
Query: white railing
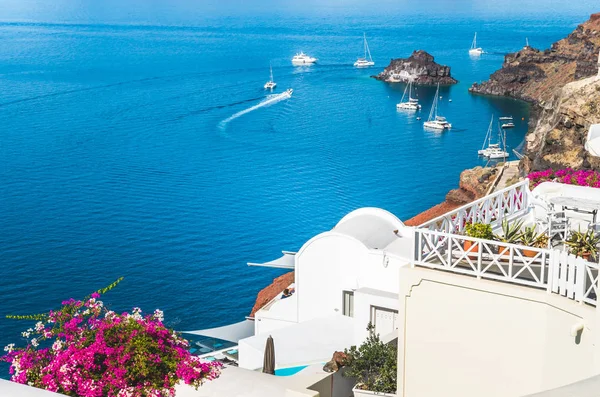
556 271
509 203
574 277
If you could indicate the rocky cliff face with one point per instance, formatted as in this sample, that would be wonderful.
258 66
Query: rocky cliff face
420 67
558 137
473 184
535 76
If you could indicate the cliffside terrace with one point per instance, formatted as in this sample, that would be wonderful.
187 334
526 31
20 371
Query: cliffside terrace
555 210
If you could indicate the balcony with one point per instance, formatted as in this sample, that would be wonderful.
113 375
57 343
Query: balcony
441 243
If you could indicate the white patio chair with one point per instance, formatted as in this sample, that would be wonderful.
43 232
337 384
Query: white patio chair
556 225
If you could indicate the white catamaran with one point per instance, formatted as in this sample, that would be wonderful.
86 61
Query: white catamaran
434 121
412 103
269 85
364 62
493 150
474 49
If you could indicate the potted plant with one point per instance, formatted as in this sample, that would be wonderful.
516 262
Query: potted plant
584 244
477 230
374 366
511 234
531 238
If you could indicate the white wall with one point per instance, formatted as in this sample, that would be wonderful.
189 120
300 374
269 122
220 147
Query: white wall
364 299
325 266
485 338
331 263
279 313
12 389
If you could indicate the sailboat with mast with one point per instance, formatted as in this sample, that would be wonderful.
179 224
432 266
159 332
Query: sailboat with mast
271 84
365 62
434 121
412 103
493 150
474 49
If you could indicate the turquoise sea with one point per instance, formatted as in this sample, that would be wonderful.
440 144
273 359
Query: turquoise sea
117 159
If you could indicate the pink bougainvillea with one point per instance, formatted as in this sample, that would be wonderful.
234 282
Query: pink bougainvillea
569 176
85 350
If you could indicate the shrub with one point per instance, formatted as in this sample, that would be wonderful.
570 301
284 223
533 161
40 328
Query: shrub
479 230
85 350
583 243
373 364
569 176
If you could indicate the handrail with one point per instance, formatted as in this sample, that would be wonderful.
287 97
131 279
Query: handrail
489 209
556 271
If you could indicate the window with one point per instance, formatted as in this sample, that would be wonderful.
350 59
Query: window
348 306
384 320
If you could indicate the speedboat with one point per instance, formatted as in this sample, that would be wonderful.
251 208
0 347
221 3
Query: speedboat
475 51
364 62
412 103
434 121
303 59
269 85
289 92
509 122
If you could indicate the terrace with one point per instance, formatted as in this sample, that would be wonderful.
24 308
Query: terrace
555 210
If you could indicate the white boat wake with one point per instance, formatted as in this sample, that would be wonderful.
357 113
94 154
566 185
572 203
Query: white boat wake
268 101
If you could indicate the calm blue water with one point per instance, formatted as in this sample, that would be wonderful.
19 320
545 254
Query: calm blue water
114 160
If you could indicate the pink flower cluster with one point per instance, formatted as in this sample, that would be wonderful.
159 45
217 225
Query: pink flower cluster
86 350
569 176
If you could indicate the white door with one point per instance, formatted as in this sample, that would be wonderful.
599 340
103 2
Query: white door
384 320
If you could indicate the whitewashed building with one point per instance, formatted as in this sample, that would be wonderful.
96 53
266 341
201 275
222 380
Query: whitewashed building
346 278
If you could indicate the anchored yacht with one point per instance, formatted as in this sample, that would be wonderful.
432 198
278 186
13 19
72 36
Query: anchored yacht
474 49
364 62
493 150
508 122
434 121
412 103
270 85
303 59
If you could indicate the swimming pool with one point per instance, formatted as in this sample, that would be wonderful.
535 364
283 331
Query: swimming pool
289 371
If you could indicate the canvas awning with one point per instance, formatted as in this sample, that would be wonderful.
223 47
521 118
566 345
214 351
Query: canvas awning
592 144
287 261
231 333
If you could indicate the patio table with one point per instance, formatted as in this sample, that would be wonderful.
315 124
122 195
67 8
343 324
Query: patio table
577 204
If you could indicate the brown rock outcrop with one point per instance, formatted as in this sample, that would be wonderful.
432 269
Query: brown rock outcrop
559 136
271 291
420 67
473 184
338 360
534 76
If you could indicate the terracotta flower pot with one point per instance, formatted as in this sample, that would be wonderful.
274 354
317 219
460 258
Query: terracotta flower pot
504 251
529 253
467 244
586 256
